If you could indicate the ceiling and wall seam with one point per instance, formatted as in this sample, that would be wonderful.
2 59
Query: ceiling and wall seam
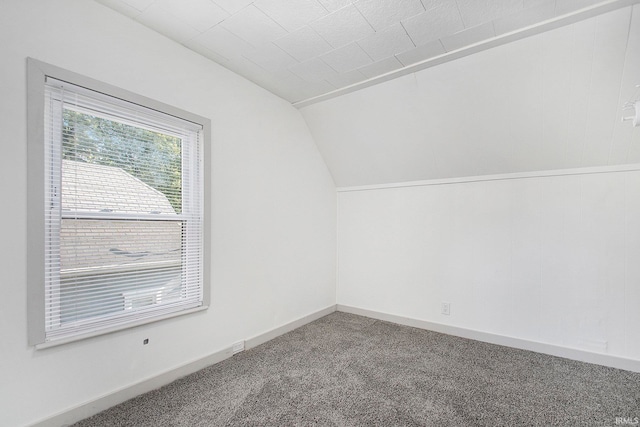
485 114
268 22
394 133
585 13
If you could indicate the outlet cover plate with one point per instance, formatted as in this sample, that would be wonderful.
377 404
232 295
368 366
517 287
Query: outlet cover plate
238 347
446 308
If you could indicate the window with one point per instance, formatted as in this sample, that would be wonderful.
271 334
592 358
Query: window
118 220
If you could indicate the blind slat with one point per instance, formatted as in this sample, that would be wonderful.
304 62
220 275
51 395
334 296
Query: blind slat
123 212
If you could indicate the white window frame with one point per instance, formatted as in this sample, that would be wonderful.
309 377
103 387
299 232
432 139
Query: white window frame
37 72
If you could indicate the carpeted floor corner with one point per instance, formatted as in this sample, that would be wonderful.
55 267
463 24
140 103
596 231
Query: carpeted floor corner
347 370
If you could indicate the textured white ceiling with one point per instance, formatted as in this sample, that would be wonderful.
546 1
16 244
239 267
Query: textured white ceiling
300 49
547 102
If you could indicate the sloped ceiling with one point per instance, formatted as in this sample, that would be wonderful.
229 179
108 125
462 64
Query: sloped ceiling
303 49
550 101
455 88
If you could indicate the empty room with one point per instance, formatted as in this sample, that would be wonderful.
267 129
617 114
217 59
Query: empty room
320 212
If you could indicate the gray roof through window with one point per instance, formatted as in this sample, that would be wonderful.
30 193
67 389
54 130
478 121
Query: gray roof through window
92 187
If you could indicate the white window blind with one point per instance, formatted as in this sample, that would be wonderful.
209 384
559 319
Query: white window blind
123 212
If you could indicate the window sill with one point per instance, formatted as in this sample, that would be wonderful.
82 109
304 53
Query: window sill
55 343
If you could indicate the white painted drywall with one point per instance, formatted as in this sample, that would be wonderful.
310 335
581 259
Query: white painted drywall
274 207
545 259
551 101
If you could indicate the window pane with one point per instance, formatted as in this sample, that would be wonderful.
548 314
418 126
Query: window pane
123 210
111 166
108 266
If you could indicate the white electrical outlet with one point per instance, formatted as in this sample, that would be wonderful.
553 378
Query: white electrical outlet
446 308
238 347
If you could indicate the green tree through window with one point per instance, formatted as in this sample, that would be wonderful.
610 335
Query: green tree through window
91 139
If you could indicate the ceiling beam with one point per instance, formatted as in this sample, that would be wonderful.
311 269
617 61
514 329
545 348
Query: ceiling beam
540 27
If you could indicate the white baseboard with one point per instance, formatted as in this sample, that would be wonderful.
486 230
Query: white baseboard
87 409
539 347
108 400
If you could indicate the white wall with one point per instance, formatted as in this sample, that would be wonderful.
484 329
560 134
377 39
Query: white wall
274 207
546 259
550 101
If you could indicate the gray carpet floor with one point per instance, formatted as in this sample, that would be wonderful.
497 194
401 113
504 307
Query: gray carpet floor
347 370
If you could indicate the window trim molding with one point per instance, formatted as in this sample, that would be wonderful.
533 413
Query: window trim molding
37 71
